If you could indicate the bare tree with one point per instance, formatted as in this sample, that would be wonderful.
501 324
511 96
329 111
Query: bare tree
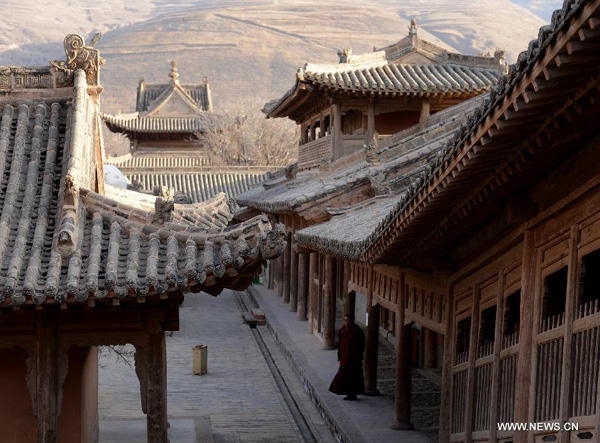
243 136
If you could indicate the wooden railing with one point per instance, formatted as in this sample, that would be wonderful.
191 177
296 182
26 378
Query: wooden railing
313 153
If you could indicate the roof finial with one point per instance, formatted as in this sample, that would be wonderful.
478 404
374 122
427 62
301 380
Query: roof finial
174 74
413 27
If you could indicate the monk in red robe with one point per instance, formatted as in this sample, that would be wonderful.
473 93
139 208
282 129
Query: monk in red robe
349 380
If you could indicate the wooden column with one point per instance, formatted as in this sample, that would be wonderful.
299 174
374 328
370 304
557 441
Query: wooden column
425 113
279 275
498 334
287 254
328 325
312 290
524 365
446 394
473 347
370 121
293 279
46 381
337 143
566 391
350 303
156 385
403 366
372 345
429 348
303 285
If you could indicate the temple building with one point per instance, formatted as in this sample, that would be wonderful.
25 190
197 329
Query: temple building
366 98
166 147
479 227
85 264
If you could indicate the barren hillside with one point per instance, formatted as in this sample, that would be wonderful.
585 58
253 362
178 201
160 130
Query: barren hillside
249 49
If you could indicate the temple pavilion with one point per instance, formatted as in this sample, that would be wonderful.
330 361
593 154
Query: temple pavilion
165 143
84 264
368 97
476 229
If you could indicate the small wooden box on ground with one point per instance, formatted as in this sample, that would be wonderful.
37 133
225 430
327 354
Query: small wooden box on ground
200 359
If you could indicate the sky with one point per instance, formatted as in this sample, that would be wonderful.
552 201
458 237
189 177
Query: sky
542 8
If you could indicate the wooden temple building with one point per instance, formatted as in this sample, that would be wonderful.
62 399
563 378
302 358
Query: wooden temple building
84 265
368 97
166 147
480 226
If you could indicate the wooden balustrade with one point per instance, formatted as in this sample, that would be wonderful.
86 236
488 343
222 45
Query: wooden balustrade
590 308
549 373
585 372
483 396
459 401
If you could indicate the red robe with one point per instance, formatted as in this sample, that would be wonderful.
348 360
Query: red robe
349 379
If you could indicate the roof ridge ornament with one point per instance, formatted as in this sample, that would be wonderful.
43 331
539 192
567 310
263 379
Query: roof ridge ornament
80 56
413 28
412 32
164 205
174 74
345 54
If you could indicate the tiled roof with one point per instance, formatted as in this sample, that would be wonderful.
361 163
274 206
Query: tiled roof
405 79
527 92
62 241
148 93
188 175
411 66
407 150
216 212
194 102
135 123
348 233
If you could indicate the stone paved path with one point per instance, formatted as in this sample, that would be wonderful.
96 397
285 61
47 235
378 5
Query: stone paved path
238 393
364 421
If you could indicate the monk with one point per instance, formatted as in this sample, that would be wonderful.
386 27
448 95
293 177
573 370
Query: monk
349 380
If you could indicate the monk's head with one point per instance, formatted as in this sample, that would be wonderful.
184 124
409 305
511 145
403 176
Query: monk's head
348 320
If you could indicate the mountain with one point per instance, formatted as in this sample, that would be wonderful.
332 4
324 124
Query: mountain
249 49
